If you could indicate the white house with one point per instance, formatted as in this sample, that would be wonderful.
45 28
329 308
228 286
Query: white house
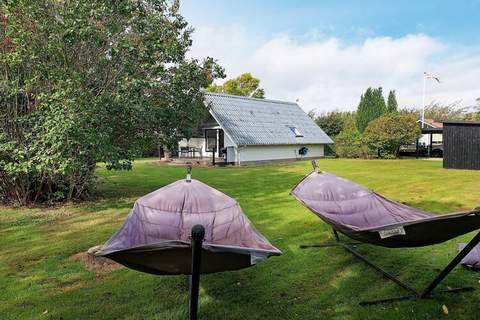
436 138
243 130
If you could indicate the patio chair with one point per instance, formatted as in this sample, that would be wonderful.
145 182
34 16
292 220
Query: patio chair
184 151
195 150
364 215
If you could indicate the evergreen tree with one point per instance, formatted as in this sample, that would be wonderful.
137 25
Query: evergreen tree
372 105
392 104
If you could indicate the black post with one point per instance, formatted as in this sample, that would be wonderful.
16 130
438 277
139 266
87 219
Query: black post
469 247
189 172
213 156
430 146
198 233
416 149
335 233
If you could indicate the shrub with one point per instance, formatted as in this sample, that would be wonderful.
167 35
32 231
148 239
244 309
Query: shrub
349 144
387 133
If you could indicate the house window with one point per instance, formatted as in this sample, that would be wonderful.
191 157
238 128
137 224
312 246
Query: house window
296 132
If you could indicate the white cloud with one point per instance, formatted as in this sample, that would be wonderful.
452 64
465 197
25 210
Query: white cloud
326 74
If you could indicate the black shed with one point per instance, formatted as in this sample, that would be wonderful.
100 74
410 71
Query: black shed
461 144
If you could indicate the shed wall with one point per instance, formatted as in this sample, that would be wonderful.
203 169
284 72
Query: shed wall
461 142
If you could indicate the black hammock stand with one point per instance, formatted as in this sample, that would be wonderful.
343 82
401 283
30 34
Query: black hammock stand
414 293
418 228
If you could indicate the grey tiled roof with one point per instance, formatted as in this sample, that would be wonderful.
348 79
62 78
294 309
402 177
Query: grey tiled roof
251 121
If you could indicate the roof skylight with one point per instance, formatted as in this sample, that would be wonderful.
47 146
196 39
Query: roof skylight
296 132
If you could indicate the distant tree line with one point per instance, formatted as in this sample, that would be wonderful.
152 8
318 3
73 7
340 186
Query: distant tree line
375 129
378 129
452 111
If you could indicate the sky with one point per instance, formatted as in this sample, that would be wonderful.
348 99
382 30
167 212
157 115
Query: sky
326 53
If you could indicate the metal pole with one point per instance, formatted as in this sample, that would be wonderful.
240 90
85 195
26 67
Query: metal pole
430 145
198 233
315 167
386 274
469 247
335 233
189 172
416 149
423 99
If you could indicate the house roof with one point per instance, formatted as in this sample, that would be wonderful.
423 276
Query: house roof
432 123
462 122
252 121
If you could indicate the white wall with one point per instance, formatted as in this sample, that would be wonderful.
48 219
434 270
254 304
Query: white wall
436 137
277 152
193 142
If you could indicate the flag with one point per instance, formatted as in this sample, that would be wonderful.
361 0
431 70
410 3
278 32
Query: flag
429 76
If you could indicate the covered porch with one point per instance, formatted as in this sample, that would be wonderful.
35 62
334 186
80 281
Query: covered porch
208 146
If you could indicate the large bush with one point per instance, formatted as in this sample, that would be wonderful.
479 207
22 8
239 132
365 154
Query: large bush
387 133
83 82
349 144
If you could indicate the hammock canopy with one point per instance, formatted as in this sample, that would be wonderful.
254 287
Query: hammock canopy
155 237
364 215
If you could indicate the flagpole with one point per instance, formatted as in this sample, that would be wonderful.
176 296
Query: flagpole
423 100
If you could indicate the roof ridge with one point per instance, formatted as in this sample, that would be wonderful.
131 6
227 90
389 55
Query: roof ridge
248 98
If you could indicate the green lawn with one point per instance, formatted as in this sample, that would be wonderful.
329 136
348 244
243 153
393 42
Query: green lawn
38 280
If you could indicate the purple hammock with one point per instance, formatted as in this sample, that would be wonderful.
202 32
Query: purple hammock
155 237
368 217
187 228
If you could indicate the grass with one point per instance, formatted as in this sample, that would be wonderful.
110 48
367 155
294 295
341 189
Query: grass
38 280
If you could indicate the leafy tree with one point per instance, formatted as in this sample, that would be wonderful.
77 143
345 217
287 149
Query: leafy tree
392 105
388 132
475 114
441 112
371 106
332 123
87 82
243 85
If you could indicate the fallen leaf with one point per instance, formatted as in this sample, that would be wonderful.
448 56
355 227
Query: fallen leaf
445 310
